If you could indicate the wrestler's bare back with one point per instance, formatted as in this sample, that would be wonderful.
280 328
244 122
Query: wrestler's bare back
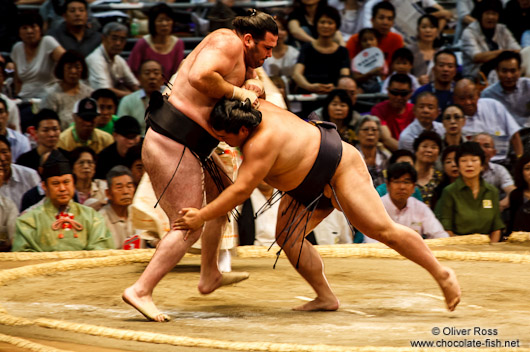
207 73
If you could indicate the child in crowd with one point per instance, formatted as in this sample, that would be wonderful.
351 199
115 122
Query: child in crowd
402 62
369 82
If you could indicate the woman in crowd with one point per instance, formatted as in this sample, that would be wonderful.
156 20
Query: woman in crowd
63 95
90 192
484 39
450 173
427 149
520 197
375 157
322 61
338 108
424 48
159 45
34 57
302 22
470 205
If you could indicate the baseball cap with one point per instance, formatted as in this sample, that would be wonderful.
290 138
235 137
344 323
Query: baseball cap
86 108
127 126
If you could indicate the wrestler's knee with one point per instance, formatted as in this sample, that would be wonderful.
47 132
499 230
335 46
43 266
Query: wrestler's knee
384 234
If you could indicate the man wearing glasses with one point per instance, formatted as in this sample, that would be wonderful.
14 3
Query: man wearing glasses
396 112
106 68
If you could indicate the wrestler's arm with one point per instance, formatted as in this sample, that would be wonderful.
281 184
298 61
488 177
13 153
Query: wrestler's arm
214 63
258 159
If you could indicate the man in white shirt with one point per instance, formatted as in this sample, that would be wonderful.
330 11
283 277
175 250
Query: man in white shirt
487 115
406 210
107 69
425 112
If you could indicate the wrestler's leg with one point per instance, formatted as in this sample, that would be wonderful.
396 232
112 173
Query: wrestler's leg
211 277
310 264
363 207
161 156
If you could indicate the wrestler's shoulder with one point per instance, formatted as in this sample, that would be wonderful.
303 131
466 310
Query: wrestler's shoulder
222 37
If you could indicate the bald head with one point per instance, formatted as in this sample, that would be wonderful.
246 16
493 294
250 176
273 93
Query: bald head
466 95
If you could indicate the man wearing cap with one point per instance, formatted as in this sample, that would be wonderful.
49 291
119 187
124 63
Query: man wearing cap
83 132
126 134
60 224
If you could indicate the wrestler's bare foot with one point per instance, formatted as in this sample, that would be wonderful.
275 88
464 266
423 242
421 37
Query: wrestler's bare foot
319 304
224 279
451 289
144 305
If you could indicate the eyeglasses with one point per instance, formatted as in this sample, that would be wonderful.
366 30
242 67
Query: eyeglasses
369 129
401 93
450 117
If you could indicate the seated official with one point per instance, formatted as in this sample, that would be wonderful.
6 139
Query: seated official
470 205
406 210
60 224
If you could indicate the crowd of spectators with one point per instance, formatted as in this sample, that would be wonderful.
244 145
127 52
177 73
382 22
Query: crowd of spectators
445 140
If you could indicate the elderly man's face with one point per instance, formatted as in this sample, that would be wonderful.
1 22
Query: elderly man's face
400 189
121 190
114 42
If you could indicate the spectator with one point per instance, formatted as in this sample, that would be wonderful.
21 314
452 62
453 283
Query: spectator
126 135
383 16
511 89
302 22
405 209
515 17
107 69
453 121
62 96
352 13
107 106
46 132
19 142
375 157
347 84
14 115
402 63
74 33
83 132
520 197
470 205
487 115
424 48
400 156
134 104
369 82
90 192
396 112
495 174
427 149
442 86
338 109
322 61
159 45
425 111
484 39
34 57
134 162
450 173
60 224
120 195
284 56
8 214
17 179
